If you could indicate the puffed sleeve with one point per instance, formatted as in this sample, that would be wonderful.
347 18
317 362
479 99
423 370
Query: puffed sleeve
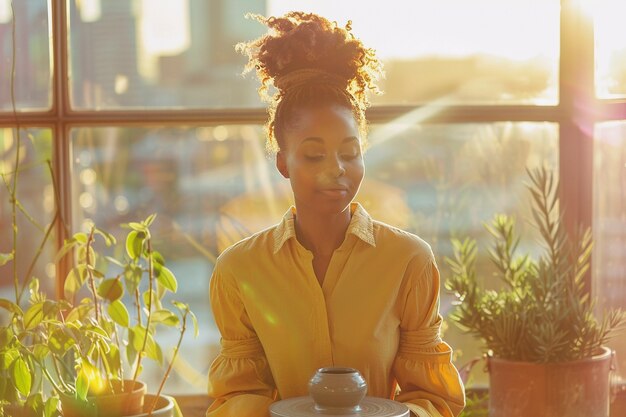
240 380
430 384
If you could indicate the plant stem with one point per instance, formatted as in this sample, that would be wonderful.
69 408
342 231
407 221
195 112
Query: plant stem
17 159
58 371
169 368
46 234
90 274
121 364
37 254
148 319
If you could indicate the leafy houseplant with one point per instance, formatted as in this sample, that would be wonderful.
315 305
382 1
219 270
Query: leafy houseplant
543 314
90 351
106 334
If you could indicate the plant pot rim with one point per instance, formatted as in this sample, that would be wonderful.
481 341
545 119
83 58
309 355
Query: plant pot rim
169 404
140 388
603 354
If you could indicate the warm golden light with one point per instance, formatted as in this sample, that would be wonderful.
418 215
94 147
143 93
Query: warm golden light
610 39
5 11
512 29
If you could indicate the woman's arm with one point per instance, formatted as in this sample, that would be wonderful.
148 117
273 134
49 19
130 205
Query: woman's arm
240 379
430 384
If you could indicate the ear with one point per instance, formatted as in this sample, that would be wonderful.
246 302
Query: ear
281 164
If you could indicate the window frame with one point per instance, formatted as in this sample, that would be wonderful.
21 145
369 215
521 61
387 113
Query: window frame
576 123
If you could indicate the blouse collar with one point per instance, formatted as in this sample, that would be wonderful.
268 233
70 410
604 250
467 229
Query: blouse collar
361 225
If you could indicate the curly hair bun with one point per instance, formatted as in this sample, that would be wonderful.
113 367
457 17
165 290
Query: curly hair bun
311 46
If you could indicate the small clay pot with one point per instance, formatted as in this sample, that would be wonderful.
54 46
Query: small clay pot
126 402
337 390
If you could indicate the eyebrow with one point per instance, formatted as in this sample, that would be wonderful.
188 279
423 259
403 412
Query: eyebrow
320 140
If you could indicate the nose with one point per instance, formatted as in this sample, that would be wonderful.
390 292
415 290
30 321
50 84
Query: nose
336 167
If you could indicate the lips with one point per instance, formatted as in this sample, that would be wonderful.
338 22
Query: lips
335 191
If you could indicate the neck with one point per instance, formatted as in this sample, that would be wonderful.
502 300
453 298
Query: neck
321 234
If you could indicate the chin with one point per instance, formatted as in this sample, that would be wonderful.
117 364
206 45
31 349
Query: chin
333 206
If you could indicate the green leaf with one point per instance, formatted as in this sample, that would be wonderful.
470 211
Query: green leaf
194 320
82 253
165 317
79 312
149 219
167 279
181 306
7 358
33 316
134 244
80 237
153 351
41 351
156 303
118 313
60 342
34 404
131 353
111 289
5 257
109 239
6 336
114 261
82 384
10 306
113 359
51 407
132 277
74 280
22 378
139 334
158 259
137 226
159 354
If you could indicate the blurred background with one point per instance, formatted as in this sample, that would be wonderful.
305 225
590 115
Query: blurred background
212 183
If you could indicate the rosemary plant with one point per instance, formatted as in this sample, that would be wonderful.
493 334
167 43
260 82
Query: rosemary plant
544 312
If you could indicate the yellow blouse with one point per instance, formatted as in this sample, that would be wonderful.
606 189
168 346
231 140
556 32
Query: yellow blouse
377 311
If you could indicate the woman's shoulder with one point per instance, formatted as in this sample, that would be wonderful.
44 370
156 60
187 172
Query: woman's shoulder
400 240
256 244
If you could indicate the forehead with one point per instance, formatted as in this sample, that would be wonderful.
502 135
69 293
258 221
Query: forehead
325 122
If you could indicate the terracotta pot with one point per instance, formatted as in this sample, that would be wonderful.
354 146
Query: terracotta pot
117 404
165 406
18 411
572 389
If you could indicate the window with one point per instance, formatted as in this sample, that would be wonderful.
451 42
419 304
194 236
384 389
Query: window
140 107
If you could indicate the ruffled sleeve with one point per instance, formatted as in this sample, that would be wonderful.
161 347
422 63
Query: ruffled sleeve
240 380
430 384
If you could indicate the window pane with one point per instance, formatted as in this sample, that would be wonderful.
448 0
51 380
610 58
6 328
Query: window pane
172 53
161 53
609 223
610 38
213 185
465 52
32 83
35 195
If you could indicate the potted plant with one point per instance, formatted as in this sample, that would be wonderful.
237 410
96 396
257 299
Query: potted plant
107 346
546 353
86 348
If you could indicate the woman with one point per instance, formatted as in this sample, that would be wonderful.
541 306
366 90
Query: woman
328 286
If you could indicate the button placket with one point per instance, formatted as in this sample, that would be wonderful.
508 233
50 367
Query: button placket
321 325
